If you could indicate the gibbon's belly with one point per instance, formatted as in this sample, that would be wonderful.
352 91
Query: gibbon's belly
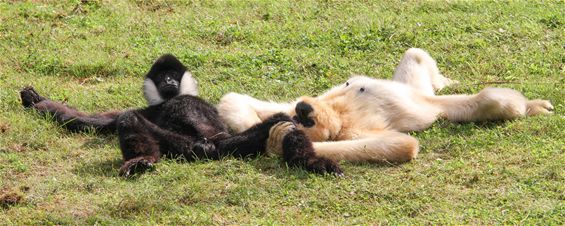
375 104
191 116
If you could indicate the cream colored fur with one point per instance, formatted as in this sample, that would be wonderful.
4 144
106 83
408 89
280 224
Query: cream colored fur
151 93
364 119
276 136
188 85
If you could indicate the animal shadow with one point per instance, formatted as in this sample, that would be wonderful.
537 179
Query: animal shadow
101 167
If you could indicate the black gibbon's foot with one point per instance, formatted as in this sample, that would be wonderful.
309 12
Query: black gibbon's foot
298 151
30 97
135 166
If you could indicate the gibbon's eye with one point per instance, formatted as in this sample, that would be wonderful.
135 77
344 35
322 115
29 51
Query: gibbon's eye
362 90
346 84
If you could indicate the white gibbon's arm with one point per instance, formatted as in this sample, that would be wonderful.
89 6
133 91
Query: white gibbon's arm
383 146
240 112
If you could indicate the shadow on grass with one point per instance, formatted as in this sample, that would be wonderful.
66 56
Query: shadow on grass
444 128
271 166
102 167
487 124
100 141
276 167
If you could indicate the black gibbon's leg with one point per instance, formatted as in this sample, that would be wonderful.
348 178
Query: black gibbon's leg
297 148
134 124
68 117
139 148
251 142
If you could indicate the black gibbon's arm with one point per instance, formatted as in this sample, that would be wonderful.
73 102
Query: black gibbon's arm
69 117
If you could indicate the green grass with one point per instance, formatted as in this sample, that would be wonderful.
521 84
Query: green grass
94 55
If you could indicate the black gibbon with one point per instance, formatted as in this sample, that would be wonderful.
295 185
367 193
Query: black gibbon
177 123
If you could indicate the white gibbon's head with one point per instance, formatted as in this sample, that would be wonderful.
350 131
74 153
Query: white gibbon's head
320 117
317 119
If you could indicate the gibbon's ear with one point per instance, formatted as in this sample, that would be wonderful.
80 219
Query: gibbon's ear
151 93
302 111
188 85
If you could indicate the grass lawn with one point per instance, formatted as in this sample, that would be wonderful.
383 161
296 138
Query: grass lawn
93 55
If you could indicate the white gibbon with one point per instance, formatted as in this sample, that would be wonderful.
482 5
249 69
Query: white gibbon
365 119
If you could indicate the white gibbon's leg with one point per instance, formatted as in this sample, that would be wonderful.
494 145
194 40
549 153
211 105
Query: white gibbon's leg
419 70
537 107
240 112
383 146
489 104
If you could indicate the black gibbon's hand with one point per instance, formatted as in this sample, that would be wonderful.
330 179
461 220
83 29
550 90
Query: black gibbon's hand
30 97
277 118
203 148
297 150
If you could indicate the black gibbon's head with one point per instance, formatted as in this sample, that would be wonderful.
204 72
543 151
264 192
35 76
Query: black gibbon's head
166 79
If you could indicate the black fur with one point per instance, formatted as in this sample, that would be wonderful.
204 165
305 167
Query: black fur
182 126
298 151
69 117
302 110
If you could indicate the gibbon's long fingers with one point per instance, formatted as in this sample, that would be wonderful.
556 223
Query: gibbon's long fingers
30 97
137 165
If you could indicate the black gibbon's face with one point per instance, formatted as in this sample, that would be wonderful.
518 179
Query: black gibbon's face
168 83
166 79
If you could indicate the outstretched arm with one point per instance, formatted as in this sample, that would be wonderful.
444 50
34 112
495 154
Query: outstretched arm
69 117
240 112
383 146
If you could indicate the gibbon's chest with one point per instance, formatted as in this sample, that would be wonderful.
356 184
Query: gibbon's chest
190 116
374 105
357 116
387 105
357 122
